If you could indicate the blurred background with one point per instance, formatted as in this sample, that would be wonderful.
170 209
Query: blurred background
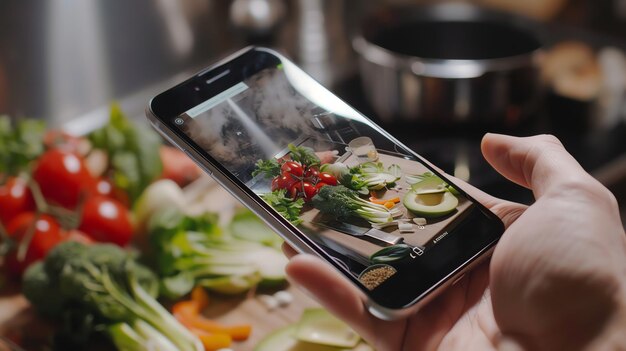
65 60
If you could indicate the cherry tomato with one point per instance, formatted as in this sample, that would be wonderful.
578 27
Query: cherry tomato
58 139
291 167
275 183
295 190
309 191
177 166
319 185
63 177
305 190
286 181
328 178
312 172
15 198
106 220
105 187
46 234
78 236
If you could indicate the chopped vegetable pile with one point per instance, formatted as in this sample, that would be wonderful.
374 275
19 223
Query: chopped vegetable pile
371 176
213 335
299 177
56 187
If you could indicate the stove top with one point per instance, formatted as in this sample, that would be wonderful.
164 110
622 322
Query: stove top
456 148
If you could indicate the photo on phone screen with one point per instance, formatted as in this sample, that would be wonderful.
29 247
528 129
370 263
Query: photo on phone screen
364 199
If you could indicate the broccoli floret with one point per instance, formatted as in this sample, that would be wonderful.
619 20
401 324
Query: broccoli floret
56 258
103 281
343 203
42 292
336 200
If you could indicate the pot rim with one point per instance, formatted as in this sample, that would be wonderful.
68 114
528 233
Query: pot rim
441 68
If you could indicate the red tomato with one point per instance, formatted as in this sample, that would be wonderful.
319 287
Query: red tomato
275 183
15 198
285 182
319 185
78 236
178 167
305 190
104 187
295 190
309 191
312 172
58 139
63 177
291 167
46 234
106 220
328 178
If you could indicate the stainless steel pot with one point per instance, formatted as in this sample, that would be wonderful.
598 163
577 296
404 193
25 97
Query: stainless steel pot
448 63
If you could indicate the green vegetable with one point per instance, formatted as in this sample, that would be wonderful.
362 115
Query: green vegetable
103 285
344 203
135 337
320 327
269 168
391 253
285 206
193 250
20 143
284 340
245 225
312 321
303 155
158 195
337 169
371 176
134 152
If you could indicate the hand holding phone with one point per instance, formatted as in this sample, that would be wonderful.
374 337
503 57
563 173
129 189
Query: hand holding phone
549 273
327 179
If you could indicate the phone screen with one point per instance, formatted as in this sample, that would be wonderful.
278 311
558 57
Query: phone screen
370 205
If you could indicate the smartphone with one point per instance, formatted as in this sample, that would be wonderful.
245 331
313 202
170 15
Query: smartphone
327 179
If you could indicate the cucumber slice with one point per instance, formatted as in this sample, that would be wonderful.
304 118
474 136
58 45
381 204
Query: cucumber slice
320 327
271 264
230 285
284 340
247 226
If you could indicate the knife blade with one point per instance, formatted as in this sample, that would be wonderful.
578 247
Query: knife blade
355 230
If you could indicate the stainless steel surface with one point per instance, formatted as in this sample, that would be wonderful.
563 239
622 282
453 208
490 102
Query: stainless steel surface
257 15
443 90
61 59
316 38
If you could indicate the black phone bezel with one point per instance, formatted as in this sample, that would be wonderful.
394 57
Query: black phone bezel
450 255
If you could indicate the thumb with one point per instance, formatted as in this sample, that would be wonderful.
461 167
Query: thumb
540 162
